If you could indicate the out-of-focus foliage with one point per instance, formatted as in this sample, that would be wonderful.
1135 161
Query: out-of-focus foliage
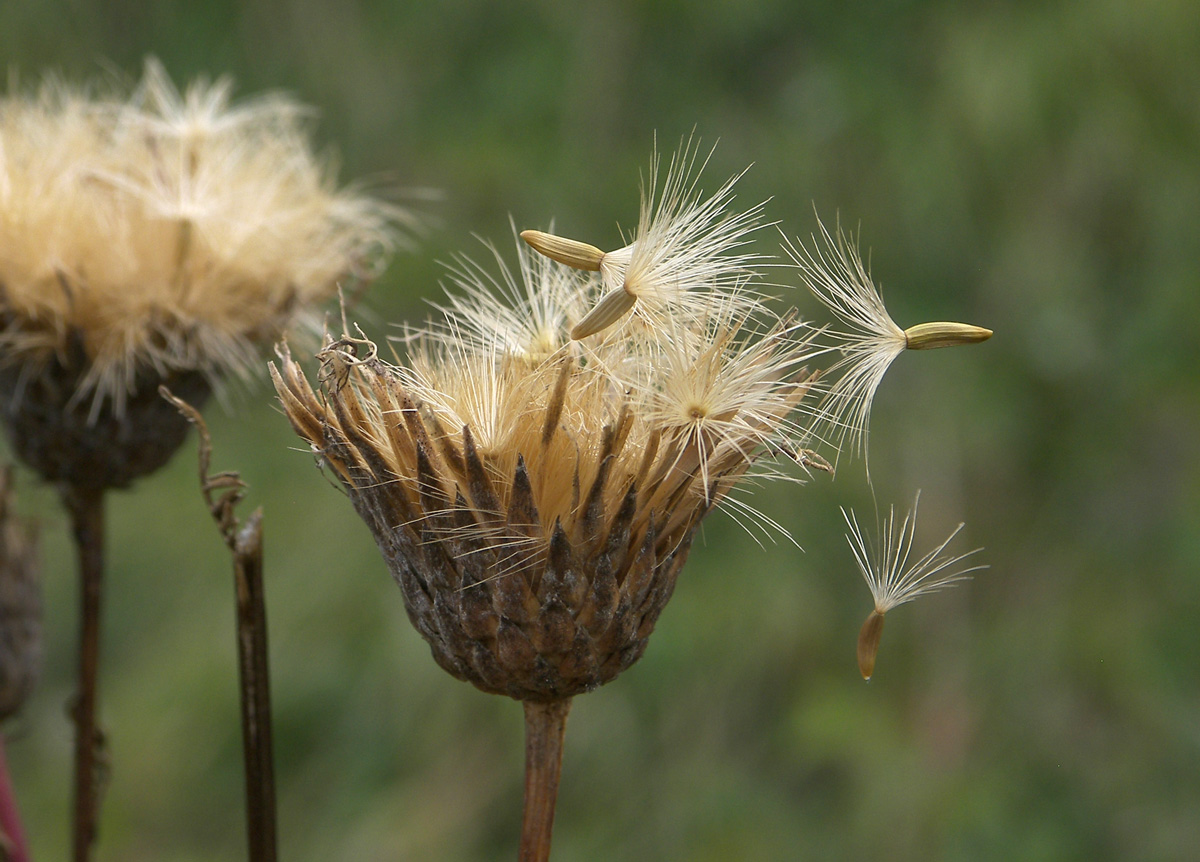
1033 167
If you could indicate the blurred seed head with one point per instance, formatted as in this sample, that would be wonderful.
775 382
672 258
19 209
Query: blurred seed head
151 236
168 231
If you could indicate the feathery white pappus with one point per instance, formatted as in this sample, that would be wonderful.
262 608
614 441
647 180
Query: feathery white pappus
833 269
683 241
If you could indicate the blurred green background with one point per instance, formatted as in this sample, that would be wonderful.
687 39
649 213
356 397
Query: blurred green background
1031 167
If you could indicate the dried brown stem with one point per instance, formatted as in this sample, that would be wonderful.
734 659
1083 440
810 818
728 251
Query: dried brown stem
86 507
545 726
255 689
245 546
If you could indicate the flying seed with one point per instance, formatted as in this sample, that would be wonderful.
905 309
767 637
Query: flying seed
927 336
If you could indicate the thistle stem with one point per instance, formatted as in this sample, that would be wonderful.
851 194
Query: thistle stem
246 546
86 507
545 725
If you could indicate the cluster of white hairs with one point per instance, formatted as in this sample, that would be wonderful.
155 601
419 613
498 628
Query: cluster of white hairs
708 372
166 231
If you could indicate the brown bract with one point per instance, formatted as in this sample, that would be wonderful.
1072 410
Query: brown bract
65 442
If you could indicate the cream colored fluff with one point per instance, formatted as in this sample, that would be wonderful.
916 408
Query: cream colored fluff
166 230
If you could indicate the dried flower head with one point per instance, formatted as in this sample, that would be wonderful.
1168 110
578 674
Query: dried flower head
157 237
534 474
536 467
834 271
534 498
894 578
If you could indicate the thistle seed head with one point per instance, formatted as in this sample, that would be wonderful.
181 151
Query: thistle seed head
536 467
156 237
533 564
162 232
535 507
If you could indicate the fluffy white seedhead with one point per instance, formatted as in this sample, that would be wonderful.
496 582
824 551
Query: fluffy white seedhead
162 231
893 575
563 424
681 406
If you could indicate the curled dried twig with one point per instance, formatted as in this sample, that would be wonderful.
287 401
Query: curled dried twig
222 492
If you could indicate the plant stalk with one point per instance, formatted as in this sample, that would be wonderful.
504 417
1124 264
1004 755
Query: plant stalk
545 726
222 492
255 689
86 507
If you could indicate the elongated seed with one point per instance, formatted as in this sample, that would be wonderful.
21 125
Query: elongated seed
868 643
573 253
608 311
927 336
